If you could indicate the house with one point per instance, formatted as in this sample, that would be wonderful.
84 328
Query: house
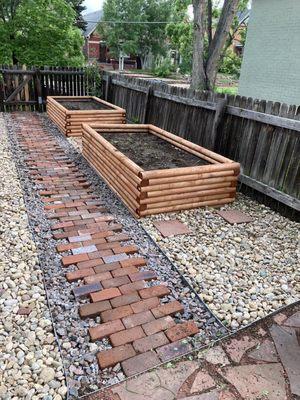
94 49
237 42
271 62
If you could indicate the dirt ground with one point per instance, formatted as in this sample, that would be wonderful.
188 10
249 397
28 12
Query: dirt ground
84 105
151 152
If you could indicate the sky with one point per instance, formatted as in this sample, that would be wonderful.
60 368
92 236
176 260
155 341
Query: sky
93 5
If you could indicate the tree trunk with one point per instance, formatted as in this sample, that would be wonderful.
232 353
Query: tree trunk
215 51
209 22
198 72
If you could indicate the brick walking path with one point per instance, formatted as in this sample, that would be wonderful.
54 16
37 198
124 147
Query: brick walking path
141 329
258 363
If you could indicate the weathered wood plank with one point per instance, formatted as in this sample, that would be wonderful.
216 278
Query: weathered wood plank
269 191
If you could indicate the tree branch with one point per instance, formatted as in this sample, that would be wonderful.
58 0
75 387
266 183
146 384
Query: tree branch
228 12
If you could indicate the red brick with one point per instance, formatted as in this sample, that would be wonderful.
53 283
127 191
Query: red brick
121 280
133 262
106 246
116 313
154 291
124 271
137 319
89 264
70 218
105 218
126 336
143 275
93 309
101 331
144 305
94 241
105 294
168 309
132 287
119 237
180 331
130 249
107 267
140 363
158 325
84 221
103 234
84 290
125 299
68 260
68 246
111 357
150 342
79 274
62 225
97 277
100 254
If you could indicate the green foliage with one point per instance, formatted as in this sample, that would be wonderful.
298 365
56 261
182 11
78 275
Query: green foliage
231 64
227 90
78 8
163 68
181 37
40 32
93 80
180 34
135 39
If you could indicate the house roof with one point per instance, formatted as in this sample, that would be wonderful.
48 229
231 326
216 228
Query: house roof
243 15
92 20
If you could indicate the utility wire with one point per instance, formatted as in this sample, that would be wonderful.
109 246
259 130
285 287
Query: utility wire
133 22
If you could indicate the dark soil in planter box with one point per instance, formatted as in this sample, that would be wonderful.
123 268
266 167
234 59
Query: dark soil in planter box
151 152
83 105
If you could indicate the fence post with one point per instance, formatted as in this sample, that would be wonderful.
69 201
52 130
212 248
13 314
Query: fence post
221 105
107 86
147 104
39 90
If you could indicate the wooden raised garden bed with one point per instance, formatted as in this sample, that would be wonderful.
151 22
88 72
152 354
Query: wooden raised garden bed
154 171
69 112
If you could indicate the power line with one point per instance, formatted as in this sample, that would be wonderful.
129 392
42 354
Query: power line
133 22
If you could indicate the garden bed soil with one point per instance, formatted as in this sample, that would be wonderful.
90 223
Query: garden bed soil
90 104
151 152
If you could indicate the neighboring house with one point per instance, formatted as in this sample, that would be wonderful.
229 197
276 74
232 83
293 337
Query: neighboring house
237 42
271 63
95 49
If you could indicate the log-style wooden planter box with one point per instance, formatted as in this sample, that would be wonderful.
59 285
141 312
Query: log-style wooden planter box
69 121
165 190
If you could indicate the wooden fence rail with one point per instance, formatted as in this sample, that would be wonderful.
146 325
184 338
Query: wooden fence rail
26 89
264 137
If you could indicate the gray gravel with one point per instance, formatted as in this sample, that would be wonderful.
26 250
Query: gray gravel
242 271
78 352
30 363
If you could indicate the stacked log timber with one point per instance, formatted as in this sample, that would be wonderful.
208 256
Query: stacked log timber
166 190
69 121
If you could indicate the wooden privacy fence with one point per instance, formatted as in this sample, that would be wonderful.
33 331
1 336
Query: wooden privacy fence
264 137
26 89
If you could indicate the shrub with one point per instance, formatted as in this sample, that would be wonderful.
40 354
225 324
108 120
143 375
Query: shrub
163 68
231 64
